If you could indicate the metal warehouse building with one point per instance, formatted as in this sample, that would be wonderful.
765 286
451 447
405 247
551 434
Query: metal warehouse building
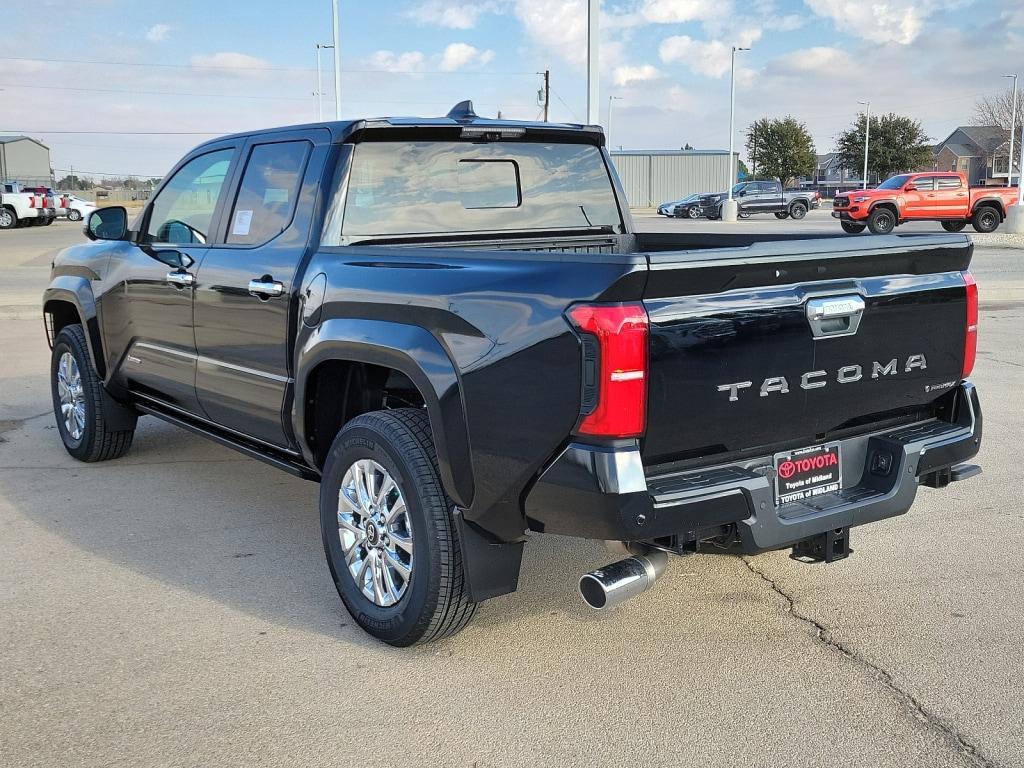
654 176
24 160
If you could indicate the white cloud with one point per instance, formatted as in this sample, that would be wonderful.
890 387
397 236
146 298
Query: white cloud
712 58
389 61
560 26
626 75
459 55
454 57
229 63
681 11
882 21
158 32
454 15
820 59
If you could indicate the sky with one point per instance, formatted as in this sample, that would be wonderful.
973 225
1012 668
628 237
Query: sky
167 76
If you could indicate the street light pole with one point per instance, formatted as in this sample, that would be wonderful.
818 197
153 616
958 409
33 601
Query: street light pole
867 138
1013 129
337 61
320 83
729 207
593 75
608 132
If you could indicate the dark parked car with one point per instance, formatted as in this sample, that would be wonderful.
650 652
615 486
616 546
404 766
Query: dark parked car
754 197
687 208
452 325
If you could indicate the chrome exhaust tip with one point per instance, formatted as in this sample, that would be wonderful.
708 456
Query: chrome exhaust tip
617 582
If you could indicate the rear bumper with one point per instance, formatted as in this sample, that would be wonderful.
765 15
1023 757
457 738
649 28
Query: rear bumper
603 493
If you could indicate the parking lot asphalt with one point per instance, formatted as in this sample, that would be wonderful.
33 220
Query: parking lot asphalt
173 608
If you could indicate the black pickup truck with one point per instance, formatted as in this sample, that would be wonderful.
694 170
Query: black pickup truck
762 197
452 325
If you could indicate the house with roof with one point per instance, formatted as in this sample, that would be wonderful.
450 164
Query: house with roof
979 151
25 160
829 178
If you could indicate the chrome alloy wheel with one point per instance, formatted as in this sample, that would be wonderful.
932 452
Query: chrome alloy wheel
72 397
375 532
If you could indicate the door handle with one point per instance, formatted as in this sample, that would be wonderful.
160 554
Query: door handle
266 286
181 279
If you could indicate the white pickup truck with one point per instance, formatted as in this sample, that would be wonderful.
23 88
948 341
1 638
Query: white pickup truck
22 209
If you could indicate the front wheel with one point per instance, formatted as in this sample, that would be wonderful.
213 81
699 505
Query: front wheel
388 530
743 215
74 215
851 228
694 213
798 210
8 219
954 226
985 220
92 425
882 221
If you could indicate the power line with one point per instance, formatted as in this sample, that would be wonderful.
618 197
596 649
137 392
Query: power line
80 172
255 68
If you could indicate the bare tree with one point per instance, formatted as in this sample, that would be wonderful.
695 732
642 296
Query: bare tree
997 110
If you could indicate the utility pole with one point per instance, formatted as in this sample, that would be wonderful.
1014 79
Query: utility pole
867 138
337 61
546 91
320 83
1013 129
729 207
593 75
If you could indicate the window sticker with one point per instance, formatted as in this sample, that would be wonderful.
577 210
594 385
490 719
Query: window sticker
243 220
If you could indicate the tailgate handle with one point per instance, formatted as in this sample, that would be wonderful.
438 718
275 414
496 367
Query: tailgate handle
834 316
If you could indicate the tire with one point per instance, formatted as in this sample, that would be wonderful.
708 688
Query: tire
782 214
882 221
432 602
8 218
986 219
851 228
103 428
798 210
743 215
49 221
954 226
74 215
694 213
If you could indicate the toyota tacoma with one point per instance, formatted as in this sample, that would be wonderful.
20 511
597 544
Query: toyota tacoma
452 325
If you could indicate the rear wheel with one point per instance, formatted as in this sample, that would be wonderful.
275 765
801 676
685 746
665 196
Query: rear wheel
798 210
8 219
74 215
954 226
93 426
985 219
851 228
882 221
388 531
782 214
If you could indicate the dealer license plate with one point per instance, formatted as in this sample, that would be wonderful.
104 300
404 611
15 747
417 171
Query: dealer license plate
807 472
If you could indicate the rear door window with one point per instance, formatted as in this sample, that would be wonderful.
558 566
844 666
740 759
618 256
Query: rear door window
435 188
948 182
267 194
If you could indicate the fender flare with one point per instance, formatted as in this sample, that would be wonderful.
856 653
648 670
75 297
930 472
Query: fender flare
887 201
992 201
76 290
414 351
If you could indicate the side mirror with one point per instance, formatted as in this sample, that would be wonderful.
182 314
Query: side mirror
107 224
910 188
741 193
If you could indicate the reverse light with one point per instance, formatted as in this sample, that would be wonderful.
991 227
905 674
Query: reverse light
614 336
971 339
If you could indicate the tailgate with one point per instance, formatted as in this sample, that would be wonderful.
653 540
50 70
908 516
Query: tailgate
788 343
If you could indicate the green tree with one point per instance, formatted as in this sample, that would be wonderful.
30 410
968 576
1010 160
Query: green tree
897 144
742 171
781 149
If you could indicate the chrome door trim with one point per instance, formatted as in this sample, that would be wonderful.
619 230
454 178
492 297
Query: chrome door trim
211 361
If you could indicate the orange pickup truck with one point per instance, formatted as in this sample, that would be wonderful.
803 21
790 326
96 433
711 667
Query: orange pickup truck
943 197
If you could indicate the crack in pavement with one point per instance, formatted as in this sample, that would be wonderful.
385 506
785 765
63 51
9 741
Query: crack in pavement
824 635
9 425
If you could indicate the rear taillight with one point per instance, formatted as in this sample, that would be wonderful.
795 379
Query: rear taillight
971 339
32 201
614 368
